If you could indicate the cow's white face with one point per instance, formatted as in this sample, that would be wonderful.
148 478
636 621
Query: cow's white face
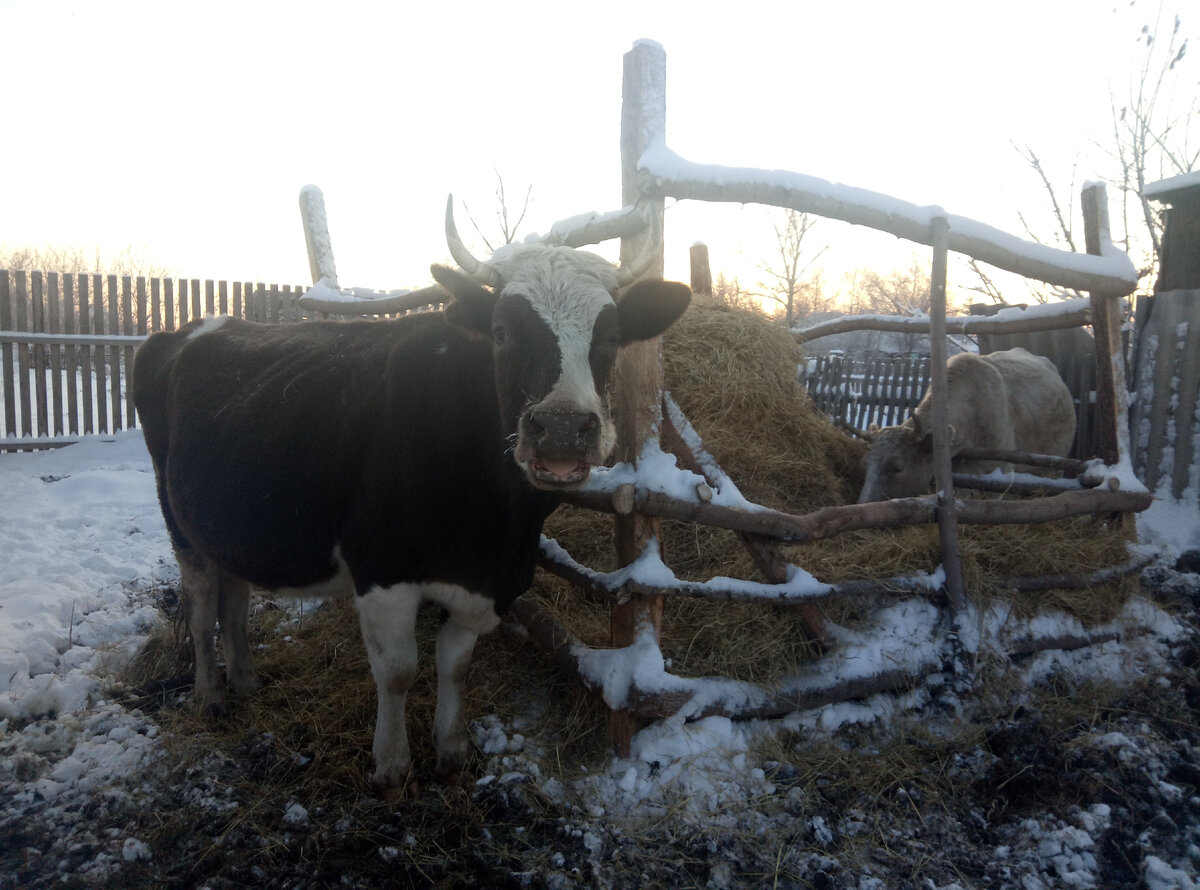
556 331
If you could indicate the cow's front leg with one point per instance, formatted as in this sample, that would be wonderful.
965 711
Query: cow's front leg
468 616
387 617
455 645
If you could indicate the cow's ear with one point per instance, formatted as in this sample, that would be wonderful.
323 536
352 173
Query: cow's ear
649 307
472 304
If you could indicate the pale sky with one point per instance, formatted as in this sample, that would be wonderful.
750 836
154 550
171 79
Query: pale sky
189 130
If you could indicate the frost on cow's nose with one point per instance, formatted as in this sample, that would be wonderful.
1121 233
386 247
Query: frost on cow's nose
562 430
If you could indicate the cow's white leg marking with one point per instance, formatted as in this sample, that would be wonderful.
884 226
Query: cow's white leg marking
469 615
387 617
201 591
233 613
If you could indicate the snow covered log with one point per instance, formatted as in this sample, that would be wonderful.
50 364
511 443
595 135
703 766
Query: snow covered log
1055 316
666 174
610 585
829 521
357 302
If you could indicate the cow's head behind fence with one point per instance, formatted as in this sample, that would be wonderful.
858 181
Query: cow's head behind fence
557 318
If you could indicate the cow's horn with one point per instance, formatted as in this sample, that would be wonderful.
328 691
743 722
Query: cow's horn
481 272
640 264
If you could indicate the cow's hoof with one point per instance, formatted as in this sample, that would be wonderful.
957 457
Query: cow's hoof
394 785
212 708
395 793
449 769
245 687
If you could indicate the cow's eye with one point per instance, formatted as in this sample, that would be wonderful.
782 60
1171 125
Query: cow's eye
895 466
499 335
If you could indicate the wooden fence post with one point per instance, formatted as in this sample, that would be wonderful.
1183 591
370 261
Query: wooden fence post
943 475
1112 392
639 372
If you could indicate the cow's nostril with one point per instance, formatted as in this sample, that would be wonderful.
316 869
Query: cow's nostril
562 426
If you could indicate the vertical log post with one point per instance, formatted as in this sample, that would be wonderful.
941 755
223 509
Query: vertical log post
1112 393
637 409
943 475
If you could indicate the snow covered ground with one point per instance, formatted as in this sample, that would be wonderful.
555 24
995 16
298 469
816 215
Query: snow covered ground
83 552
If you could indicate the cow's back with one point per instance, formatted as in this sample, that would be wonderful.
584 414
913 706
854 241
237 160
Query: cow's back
976 409
1040 407
281 449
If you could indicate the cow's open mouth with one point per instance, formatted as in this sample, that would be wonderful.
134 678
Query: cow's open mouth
559 472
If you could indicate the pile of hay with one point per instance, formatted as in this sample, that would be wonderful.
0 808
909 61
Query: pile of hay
734 374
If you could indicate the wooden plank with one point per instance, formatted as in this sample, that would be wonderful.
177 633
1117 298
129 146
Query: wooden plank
144 321
71 356
1188 362
129 328
196 308
1168 315
113 353
210 302
8 354
223 297
169 316
38 353
21 319
99 354
85 356
240 289
54 322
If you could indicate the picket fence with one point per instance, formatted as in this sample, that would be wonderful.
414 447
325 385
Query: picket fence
856 392
67 343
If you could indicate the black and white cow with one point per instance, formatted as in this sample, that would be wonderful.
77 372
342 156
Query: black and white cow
407 460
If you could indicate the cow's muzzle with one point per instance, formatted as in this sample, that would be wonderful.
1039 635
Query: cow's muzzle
558 446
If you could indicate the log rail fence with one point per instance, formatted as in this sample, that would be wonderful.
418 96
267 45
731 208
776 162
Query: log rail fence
1107 275
57 328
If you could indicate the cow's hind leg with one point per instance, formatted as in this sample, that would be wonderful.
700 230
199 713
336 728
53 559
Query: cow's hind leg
234 615
201 598
468 616
388 617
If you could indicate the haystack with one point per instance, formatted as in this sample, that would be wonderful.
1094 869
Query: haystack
734 374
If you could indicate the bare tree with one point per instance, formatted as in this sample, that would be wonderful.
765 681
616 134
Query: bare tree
508 221
899 292
73 260
792 287
1153 137
733 295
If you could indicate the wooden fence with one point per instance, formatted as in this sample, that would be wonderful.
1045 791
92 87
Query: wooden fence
885 390
859 392
67 343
